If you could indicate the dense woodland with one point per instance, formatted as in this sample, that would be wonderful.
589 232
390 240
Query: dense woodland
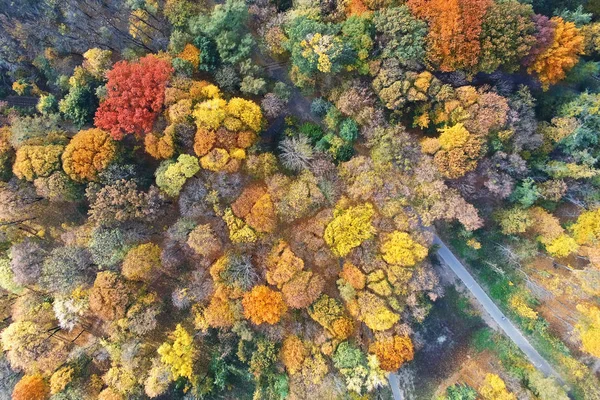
237 200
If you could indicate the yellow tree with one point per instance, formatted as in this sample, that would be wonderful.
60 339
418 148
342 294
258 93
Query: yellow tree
586 229
34 161
494 388
179 355
588 328
400 249
349 228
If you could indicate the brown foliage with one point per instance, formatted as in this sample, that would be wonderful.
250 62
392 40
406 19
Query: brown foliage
109 296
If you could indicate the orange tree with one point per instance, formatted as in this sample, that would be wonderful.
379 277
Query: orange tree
88 153
262 304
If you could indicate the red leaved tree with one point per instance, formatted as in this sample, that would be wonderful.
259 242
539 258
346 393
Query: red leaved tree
136 93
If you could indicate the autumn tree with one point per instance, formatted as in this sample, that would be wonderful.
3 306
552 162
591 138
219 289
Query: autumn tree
586 230
28 348
552 65
135 96
392 352
459 151
494 388
400 249
33 161
142 262
122 201
88 153
588 328
349 228
31 387
179 355
172 175
293 353
109 296
262 304
454 31
506 35
26 260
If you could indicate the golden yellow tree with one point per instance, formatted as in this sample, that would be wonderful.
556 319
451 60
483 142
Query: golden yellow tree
588 328
494 388
88 153
349 228
179 355
400 249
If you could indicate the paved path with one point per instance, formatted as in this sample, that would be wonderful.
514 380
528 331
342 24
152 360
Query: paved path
504 323
498 316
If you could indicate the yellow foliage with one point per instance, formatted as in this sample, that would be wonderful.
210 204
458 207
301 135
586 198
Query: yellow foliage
179 355
453 137
562 246
400 249
246 111
522 308
374 312
589 328
349 228
587 228
190 54
215 160
210 113
37 161
97 61
494 388
60 379
239 231
141 262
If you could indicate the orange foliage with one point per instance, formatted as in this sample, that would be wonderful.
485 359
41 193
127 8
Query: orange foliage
31 387
256 207
353 276
293 352
88 153
393 352
220 313
204 141
552 65
161 147
262 304
454 29
355 7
